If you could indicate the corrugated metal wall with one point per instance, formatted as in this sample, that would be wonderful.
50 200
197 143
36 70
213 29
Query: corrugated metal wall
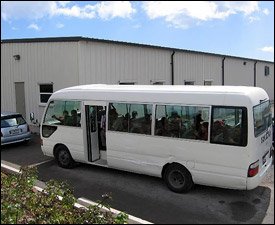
7 87
112 63
39 63
197 68
85 62
265 81
238 72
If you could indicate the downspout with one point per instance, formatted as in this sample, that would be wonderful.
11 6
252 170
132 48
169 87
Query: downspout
223 70
255 77
172 67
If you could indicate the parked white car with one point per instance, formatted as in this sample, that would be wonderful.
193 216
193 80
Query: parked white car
14 128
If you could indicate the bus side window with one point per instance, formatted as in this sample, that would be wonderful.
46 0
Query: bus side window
187 122
229 126
132 118
140 118
117 119
64 113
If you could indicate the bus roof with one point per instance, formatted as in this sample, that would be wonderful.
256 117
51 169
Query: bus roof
188 94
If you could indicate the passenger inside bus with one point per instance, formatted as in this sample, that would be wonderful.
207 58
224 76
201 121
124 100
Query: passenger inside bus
224 133
113 115
120 124
203 131
64 118
134 115
72 120
133 124
146 127
174 124
162 127
198 121
232 134
217 131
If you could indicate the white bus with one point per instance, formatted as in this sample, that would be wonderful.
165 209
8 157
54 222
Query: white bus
210 135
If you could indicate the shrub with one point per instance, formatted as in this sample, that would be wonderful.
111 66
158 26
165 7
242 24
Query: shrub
22 204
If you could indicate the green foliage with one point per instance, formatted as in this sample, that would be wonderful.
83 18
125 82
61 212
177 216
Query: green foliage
23 204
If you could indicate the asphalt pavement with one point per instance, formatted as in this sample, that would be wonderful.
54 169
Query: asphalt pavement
148 197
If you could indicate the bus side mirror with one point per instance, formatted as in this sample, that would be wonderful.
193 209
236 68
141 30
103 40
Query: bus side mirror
31 116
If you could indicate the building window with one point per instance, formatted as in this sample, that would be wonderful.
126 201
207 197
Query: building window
208 82
266 70
46 91
186 82
127 82
159 82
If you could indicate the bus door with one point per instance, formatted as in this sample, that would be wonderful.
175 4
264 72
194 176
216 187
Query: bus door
93 129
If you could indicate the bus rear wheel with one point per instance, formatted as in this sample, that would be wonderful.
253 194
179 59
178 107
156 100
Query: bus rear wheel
63 157
178 178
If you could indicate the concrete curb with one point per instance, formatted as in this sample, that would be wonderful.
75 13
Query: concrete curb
81 202
10 167
131 219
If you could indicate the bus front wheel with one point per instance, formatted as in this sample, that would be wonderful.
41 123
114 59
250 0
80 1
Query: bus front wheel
178 178
63 157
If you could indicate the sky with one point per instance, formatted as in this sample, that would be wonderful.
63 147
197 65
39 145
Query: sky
235 28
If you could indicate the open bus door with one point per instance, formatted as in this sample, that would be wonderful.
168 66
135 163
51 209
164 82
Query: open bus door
93 129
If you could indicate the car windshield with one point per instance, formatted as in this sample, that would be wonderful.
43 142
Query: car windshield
262 117
12 121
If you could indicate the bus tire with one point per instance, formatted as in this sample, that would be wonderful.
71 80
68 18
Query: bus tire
178 178
63 157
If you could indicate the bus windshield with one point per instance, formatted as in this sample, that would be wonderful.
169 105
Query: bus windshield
262 117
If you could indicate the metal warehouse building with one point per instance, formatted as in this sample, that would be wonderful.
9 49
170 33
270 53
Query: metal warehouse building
31 69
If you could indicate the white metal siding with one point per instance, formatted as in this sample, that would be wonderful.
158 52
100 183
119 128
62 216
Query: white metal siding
39 63
85 62
111 63
197 67
265 82
7 82
236 73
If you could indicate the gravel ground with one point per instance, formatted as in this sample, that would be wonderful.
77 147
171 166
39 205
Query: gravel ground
269 182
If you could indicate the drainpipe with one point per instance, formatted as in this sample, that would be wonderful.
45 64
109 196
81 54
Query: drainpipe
172 67
255 73
223 70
